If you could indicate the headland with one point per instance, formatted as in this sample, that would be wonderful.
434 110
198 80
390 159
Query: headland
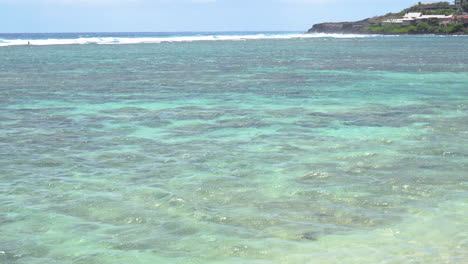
423 18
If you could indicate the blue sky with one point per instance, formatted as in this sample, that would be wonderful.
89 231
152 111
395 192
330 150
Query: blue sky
183 15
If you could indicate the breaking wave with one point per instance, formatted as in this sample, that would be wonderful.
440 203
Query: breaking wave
159 39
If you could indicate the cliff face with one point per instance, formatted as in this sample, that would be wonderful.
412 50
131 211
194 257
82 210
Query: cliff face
343 27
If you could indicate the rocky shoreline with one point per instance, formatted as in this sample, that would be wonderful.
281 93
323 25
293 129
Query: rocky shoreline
357 27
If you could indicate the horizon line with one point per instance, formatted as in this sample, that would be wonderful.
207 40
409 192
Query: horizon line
215 31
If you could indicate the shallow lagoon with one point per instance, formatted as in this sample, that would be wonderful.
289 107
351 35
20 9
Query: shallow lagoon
317 150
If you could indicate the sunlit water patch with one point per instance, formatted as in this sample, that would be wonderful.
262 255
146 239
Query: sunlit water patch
302 150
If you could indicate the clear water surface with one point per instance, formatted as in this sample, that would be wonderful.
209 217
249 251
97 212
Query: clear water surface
318 149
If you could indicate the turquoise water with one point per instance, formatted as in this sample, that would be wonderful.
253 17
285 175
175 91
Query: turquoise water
301 150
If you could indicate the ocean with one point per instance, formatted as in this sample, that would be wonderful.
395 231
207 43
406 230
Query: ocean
236 147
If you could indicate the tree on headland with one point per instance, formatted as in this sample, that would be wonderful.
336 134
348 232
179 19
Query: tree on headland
422 27
458 27
439 8
442 5
464 7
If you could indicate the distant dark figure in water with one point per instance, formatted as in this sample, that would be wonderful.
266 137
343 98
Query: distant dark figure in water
29 43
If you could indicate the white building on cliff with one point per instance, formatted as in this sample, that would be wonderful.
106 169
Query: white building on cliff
413 18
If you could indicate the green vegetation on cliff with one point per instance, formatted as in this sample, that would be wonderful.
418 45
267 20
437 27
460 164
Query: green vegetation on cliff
420 28
441 8
430 27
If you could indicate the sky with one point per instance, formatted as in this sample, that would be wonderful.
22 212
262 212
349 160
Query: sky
21 16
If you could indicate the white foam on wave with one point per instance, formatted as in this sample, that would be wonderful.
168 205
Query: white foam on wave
156 39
